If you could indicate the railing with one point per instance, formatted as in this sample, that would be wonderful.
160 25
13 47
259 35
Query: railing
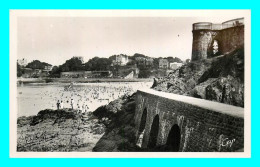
217 27
233 23
224 25
202 26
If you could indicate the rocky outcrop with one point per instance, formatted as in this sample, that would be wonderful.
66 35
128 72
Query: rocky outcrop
218 79
58 130
118 116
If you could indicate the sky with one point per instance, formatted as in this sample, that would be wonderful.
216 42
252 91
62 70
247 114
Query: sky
57 39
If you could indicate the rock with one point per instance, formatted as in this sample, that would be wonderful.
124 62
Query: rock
119 135
22 121
58 130
218 79
227 90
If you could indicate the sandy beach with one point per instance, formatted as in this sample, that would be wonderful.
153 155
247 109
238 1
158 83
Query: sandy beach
35 97
41 127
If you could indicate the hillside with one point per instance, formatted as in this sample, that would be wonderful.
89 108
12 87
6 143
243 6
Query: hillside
218 79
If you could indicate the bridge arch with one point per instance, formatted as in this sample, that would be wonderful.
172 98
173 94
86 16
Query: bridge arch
141 129
154 132
174 139
143 122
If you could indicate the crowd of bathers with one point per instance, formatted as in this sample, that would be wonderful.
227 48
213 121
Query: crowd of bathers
87 98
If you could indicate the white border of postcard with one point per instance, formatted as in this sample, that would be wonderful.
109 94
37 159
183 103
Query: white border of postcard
14 14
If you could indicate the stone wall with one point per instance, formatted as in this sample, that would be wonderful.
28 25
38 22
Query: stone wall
202 40
188 124
232 38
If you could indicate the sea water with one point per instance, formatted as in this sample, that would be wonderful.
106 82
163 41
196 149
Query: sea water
34 97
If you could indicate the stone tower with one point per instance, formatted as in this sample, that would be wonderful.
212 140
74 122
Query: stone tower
211 40
203 36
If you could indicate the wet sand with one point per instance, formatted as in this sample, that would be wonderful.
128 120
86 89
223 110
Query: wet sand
35 97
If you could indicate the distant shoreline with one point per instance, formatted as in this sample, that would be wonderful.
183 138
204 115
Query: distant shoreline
80 80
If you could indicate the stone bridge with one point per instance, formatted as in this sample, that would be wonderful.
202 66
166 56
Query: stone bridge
170 122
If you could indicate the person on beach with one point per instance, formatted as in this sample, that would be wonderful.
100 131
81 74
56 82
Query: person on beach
78 108
61 104
83 107
72 103
58 105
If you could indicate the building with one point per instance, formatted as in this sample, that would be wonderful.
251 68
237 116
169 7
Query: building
86 74
73 74
27 72
123 71
175 65
163 64
140 61
149 62
100 74
34 73
22 62
146 62
48 67
121 60
130 75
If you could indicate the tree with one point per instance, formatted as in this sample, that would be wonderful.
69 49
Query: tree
139 55
103 64
19 70
73 64
55 72
175 59
144 74
170 59
131 63
178 60
113 57
36 64
98 64
156 63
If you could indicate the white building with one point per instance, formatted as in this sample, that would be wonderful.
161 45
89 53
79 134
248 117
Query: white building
121 60
48 67
175 65
130 75
163 64
22 62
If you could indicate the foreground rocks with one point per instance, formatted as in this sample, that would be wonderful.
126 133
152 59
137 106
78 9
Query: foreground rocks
109 128
58 130
118 116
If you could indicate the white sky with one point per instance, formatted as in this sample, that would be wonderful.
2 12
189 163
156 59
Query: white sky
56 39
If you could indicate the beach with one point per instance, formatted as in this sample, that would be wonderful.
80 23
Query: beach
33 97
41 127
